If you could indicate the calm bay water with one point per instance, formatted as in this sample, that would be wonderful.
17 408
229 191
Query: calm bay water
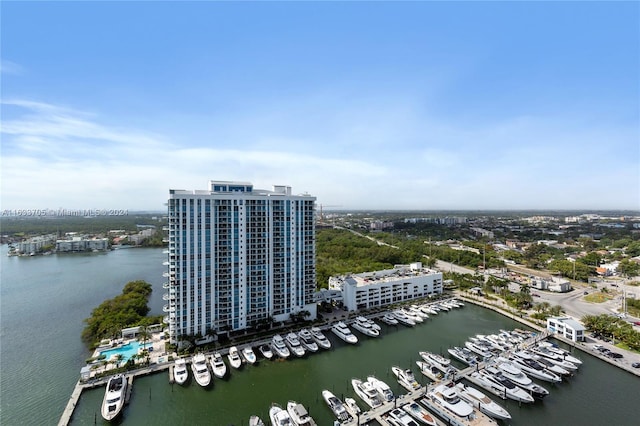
44 300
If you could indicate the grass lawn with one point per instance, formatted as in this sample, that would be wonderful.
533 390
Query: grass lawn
625 347
598 297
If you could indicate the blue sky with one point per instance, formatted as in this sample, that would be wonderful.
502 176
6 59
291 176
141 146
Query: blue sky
366 105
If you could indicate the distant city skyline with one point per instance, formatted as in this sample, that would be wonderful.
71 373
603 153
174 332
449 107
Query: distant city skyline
365 106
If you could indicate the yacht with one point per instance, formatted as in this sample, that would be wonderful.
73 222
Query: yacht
519 379
403 318
435 358
337 406
279 416
366 392
534 369
389 319
406 378
383 389
482 350
180 372
266 352
543 351
200 370
398 417
299 414
249 355
497 343
256 421
448 399
561 352
413 316
306 338
341 330
559 368
482 402
364 326
278 346
428 310
500 386
114 396
234 357
420 414
320 338
463 355
292 341
218 365
434 371
352 406
415 310
441 306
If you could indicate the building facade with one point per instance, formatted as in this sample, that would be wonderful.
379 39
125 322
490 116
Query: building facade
381 288
238 256
567 327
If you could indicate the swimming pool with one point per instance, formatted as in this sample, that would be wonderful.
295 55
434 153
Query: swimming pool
127 351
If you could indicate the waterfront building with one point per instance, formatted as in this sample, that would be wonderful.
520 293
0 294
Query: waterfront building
238 257
380 288
35 244
79 244
567 327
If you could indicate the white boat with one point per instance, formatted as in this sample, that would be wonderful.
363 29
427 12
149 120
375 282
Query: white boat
563 353
441 306
299 414
406 378
431 357
352 406
341 330
256 421
403 318
320 338
482 402
500 386
337 406
389 319
427 309
364 326
534 369
279 347
434 371
234 357
180 372
383 389
519 379
398 417
200 370
562 368
366 392
266 352
114 396
463 355
218 366
497 343
249 355
306 338
481 350
448 398
419 413
415 310
413 316
279 416
292 341
553 357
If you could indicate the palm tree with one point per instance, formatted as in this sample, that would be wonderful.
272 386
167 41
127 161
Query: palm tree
143 334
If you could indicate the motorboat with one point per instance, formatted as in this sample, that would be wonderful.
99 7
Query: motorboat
482 402
398 417
389 319
559 351
234 357
545 352
497 343
337 406
431 357
500 385
255 421
306 339
415 310
299 414
365 326
403 318
218 366
279 416
279 347
419 413
443 307
180 372
448 398
519 379
435 371
320 338
551 365
249 355
427 310
366 392
534 369
479 349
352 406
413 316
114 396
266 351
383 389
406 378
463 355
341 330
200 370
292 341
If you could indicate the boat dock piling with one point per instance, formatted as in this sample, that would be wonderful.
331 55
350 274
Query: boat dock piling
71 405
171 374
129 389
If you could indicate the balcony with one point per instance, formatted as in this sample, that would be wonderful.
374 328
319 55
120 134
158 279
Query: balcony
165 285
169 308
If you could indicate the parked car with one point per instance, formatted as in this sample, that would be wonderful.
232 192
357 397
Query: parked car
636 323
636 365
